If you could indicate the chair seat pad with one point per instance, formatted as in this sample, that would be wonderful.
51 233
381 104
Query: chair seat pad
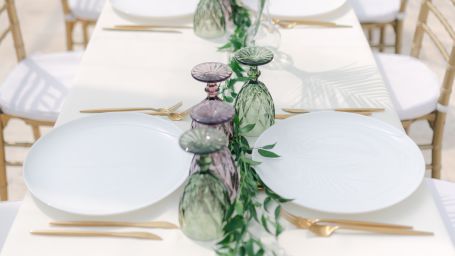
8 211
413 87
376 11
86 9
37 86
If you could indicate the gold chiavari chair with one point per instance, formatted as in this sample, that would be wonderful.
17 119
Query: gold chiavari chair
83 13
34 90
378 15
416 90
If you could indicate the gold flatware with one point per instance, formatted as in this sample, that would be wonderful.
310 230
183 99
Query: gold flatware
285 116
152 26
288 24
149 224
328 230
351 110
139 235
158 30
104 110
174 116
306 223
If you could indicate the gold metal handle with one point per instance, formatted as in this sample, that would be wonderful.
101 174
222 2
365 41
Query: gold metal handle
139 235
385 230
150 224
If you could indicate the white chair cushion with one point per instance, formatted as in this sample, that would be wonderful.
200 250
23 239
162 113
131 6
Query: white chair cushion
37 86
376 11
86 9
8 211
444 195
413 87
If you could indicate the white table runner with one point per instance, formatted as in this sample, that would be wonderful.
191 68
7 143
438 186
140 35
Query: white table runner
328 68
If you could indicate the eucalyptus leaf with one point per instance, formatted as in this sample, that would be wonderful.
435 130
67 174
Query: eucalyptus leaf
266 153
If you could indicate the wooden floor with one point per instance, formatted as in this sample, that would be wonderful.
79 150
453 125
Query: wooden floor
42 26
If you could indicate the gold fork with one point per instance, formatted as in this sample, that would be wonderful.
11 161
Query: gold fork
306 223
174 116
288 24
104 110
328 230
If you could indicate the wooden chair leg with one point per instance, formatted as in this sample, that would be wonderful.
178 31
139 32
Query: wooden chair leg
436 154
3 177
69 25
36 131
370 35
382 38
85 32
398 36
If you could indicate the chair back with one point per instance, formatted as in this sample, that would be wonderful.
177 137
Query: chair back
9 7
427 9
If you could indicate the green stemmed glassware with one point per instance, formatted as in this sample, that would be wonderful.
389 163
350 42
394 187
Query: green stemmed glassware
209 20
205 198
254 104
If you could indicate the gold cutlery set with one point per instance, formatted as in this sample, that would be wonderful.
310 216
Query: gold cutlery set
118 234
319 227
327 227
171 113
285 24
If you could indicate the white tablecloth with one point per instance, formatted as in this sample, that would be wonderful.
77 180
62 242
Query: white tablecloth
315 68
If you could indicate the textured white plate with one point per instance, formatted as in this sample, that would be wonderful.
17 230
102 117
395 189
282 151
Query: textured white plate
340 163
107 164
155 8
298 8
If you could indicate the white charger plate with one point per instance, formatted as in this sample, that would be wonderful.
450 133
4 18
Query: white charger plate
340 163
297 8
107 164
155 8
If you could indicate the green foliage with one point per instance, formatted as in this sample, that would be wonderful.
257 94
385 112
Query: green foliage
246 209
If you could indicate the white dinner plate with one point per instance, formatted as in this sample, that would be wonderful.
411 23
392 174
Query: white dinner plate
155 8
340 162
107 164
297 8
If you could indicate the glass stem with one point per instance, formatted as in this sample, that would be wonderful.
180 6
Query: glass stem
204 163
212 90
254 74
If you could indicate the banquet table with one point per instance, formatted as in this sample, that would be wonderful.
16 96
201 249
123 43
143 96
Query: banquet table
313 68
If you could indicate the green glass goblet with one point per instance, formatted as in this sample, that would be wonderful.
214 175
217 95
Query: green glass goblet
205 198
254 104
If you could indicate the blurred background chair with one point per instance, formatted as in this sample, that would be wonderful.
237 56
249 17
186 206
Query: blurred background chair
377 16
34 90
8 211
416 91
83 13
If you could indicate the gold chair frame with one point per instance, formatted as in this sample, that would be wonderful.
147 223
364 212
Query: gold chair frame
397 26
14 28
71 21
437 118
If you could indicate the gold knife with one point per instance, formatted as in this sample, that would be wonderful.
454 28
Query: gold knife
153 26
148 224
143 29
351 110
139 235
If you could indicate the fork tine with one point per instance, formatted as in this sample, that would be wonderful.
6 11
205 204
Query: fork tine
175 107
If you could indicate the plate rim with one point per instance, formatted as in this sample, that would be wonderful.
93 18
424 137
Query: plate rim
420 177
140 16
111 213
342 2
